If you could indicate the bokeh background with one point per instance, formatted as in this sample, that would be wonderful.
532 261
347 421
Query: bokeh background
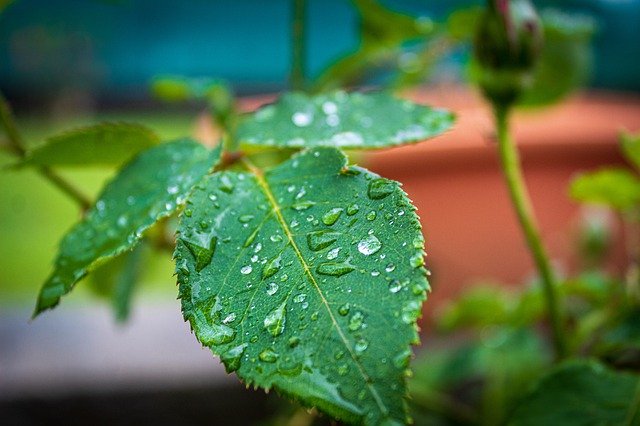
70 62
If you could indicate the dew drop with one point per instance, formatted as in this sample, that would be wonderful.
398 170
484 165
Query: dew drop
233 357
225 184
318 240
402 359
371 215
245 270
202 255
268 355
245 218
303 205
369 245
272 267
356 321
276 238
380 188
229 318
272 288
416 260
390 267
411 311
361 346
302 119
344 309
333 253
353 209
336 269
332 216
275 320
395 286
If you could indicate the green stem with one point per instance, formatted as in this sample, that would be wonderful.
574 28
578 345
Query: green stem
510 162
298 45
16 145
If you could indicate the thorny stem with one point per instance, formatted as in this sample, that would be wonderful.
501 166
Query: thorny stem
16 145
519 195
297 77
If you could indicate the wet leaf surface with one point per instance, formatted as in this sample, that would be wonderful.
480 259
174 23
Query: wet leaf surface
289 278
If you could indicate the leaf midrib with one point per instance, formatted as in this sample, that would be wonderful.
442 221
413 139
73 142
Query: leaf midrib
264 185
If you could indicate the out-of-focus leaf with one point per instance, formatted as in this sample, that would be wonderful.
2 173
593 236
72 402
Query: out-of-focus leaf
631 148
150 187
116 280
303 277
615 188
383 33
565 61
339 119
503 362
581 393
462 23
105 144
478 307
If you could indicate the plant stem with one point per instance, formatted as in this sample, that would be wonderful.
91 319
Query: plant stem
16 145
297 77
520 199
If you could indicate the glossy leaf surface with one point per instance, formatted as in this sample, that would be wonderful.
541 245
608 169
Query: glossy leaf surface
582 393
339 119
105 144
152 186
307 278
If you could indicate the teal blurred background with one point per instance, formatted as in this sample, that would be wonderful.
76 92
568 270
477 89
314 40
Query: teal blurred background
112 48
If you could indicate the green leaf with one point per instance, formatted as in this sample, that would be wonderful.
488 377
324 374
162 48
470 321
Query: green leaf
478 307
616 188
631 148
152 186
116 280
339 119
307 278
581 393
105 144
565 61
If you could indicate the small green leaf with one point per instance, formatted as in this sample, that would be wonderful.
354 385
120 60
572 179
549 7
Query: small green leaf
116 280
105 144
339 119
616 188
631 148
322 310
152 186
581 393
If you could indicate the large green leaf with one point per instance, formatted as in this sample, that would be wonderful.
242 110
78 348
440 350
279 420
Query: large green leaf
339 119
631 148
307 278
616 188
152 186
104 144
582 393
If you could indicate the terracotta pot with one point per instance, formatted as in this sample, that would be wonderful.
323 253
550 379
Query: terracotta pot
456 183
